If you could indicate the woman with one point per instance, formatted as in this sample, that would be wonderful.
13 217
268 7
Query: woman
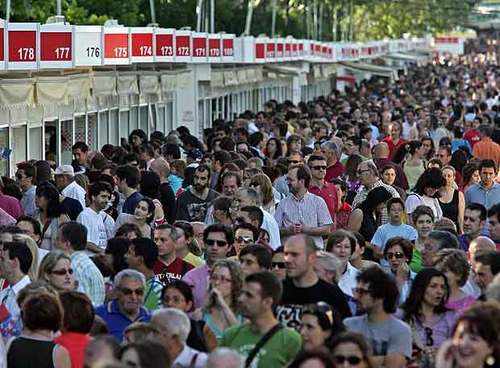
222 210
453 263
136 138
426 192
414 166
366 217
146 353
312 359
185 243
319 325
388 176
143 216
426 313
451 200
116 248
56 270
78 319
220 310
351 176
398 252
178 294
423 222
428 147
50 214
42 317
278 263
470 175
476 341
273 151
353 349
262 184
358 258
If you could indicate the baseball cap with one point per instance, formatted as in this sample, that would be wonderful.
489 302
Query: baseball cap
65 170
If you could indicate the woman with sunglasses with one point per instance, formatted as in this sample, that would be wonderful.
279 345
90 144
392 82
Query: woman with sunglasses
351 349
426 312
262 184
398 252
319 325
56 270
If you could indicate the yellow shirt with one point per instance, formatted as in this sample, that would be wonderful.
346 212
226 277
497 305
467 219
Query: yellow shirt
194 260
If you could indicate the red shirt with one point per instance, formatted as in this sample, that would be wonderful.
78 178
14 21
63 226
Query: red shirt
174 271
472 136
11 205
393 147
76 343
334 171
330 195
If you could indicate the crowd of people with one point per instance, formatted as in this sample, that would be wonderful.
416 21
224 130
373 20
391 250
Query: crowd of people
361 229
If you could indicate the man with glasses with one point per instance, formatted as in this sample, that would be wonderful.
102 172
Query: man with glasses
244 235
192 205
127 308
218 240
321 187
377 294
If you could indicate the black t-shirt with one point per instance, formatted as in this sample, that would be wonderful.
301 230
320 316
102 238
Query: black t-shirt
294 299
192 208
167 199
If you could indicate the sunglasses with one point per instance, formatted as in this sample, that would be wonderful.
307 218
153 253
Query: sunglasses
397 255
319 167
351 359
127 291
220 243
279 265
244 239
62 272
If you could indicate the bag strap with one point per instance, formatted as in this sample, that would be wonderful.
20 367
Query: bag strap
263 340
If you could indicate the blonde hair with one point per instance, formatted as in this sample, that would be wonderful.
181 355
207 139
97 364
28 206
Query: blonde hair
266 187
33 247
49 262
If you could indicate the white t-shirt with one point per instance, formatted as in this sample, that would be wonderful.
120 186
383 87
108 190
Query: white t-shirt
99 226
75 191
348 280
414 200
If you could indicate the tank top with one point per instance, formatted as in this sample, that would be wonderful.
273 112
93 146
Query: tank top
450 210
26 352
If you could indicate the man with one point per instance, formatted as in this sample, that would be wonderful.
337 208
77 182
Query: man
98 223
352 146
25 177
486 149
15 263
281 184
231 181
381 154
376 296
486 192
127 307
486 266
494 224
220 158
32 228
174 327
435 241
303 286
168 266
127 179
167 196
141 256
334 168
255 258
249 197
369 177
303 212
72 239
261 292
224 358
444 155
395 227
80 154
479 245
244 235
394 140
218 241
474 220
320 187
10 204
193 203
64 178
198 229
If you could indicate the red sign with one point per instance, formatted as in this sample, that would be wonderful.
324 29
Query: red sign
270 49
182 46
116 46
260 51
199 46
55 46
142 44
279 50
446 40
2 55
227 47
22 46
288 49
164 45
214 47
317 49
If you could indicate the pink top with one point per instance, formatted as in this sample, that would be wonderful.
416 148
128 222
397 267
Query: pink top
461 305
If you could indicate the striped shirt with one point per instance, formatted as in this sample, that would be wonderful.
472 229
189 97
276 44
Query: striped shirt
361 196
90 280
311 210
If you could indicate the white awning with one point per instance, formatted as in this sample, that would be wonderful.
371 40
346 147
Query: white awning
381 71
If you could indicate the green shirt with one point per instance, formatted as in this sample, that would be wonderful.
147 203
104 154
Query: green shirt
279 351
152 294
416 261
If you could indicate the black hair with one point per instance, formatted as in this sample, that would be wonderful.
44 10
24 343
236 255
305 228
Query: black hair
20 251
381 286
430 178
150 184
479 207
130 174
75 233
219 228
37 228
117 247
261 253
147 249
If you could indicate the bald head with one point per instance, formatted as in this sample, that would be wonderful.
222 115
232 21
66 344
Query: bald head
381 150
481 244
161 167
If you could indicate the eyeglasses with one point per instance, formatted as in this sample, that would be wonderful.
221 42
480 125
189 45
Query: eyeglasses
318 167
359 172
220 243
62 272
279 265
360 291
244 239
351 359
220 278
126 291
397 255
429 341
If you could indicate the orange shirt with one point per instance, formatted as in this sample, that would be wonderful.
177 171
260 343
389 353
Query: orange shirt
487 149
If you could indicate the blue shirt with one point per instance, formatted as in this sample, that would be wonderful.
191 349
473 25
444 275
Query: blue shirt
388 231
131 203
479 194
116 321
